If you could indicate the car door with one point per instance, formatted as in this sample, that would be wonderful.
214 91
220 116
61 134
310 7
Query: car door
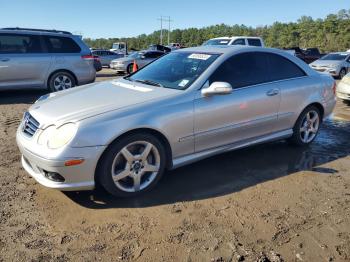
249 112
291 80
106 58
23 61
147 58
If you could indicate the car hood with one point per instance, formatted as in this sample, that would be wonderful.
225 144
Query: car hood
326 62
98 98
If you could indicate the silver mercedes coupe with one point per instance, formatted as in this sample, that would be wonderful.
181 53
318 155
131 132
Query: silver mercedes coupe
183 107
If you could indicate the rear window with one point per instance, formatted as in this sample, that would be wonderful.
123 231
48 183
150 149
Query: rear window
20 44
58 44
282 68
223 41
254 42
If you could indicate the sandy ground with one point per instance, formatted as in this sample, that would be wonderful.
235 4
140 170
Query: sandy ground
272 202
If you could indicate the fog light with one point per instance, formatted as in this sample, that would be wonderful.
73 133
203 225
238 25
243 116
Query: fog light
54 176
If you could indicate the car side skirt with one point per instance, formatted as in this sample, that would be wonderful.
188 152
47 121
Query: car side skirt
187 159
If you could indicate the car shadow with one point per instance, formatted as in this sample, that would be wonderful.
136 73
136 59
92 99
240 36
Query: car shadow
234 171
20 96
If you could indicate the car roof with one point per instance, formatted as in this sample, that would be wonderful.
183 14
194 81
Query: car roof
234 37
35 31
340 53
220 49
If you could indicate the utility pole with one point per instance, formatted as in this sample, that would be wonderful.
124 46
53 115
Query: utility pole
164 19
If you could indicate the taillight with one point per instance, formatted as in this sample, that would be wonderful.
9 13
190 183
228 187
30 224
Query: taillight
87 57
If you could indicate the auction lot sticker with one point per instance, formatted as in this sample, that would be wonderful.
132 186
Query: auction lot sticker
199 56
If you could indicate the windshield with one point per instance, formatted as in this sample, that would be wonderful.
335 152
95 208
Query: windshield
118 46
334 57
175 70
222 41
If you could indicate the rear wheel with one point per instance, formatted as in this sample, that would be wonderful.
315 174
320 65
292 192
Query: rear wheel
342 73
132 165
61 81
306 128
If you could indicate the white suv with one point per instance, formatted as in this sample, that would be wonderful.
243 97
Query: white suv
236 40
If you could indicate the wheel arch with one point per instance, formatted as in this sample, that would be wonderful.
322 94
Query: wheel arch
318 105
61 70
162 138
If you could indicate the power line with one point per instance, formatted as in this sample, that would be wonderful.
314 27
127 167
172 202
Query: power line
164 19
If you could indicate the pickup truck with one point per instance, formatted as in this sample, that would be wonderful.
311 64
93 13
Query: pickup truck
308 55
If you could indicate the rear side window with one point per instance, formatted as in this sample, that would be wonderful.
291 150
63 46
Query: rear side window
254 42
239 41
58 44
20 44
282 68
153 54
243 70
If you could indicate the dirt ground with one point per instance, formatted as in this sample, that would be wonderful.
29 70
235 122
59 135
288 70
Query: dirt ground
272 202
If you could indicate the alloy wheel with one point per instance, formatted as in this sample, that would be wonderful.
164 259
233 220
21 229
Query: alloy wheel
62 82
135 166
309 126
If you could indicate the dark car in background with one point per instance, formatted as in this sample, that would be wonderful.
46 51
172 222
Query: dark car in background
97 63
37 58
161 48
308 55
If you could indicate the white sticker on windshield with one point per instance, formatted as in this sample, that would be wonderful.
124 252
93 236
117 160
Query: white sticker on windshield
183 82
199 56
224 42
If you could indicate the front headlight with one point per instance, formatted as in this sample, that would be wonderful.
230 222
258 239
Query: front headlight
54 137
44 97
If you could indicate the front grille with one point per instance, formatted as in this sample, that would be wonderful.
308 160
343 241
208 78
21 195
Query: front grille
29 124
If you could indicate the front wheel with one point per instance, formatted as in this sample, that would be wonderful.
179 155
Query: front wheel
132 165
306 128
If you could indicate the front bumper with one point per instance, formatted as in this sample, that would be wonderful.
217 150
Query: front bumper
118 67
332 71
78 177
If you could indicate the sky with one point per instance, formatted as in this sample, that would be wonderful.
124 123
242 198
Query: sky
108 18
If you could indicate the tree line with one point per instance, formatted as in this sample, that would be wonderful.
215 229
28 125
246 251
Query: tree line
329 34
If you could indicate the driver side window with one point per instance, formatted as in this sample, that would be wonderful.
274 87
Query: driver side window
243 70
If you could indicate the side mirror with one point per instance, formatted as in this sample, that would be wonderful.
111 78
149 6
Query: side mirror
143 57
217 88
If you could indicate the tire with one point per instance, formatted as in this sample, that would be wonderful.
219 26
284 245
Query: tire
129 68
126 169
304 130
60 81
342 73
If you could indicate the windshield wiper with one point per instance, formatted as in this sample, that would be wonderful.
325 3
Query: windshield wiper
128 78
149 82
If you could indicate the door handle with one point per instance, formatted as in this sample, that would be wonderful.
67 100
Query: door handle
272 92
4 59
